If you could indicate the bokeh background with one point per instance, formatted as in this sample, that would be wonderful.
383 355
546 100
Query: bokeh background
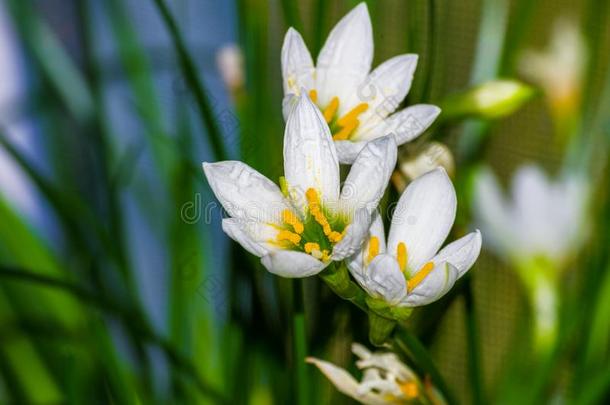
117 284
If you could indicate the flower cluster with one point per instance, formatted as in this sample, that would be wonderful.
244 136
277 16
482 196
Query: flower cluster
339 112
309 221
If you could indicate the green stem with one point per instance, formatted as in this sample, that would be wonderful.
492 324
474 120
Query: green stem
472 336
189 70
404 341
300 344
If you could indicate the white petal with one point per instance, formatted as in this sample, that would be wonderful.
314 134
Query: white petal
292 264
252 236
532 211
297 65
345 59
356 262
369 176
310 158
347 151
434 286
423 217
384 89
345 383
245 193
461 253
354 236
383 279
288 103
406 124
493 215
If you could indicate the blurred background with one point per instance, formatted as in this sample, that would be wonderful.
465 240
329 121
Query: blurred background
117 284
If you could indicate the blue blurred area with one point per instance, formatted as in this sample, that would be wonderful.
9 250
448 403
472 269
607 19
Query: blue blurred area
207 26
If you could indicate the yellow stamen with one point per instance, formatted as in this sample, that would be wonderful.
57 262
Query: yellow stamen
409 389
353 114
373 248
346 131
420 276
401 255
325 256
313 95
311 246
289 236
334 236
291 218
316 211
331 109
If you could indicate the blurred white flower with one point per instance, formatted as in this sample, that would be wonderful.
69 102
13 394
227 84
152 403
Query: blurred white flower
538 232
356 103
544 221
411 271
386 380
230 62
558 69
428 158
298 229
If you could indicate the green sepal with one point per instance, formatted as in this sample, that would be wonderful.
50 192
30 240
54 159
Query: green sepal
380 328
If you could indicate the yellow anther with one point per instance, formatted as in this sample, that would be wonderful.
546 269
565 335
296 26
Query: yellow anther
291 218
289 236
409 389
334 236
353 114
316 211
373 248
331 109
401 256
420 276
312 196
311 246
346 131
325 256
313 95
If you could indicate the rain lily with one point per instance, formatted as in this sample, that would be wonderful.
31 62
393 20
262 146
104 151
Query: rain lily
386 380
408 271
298 229
358 104
538 232
544 222
559 71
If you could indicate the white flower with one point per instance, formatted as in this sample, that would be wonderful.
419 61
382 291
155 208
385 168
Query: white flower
386 380
559 68
544 219
299 229
408 271
357 103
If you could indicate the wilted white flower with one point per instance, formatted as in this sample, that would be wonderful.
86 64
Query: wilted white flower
428 158
298 229
357 104
385 380
408 271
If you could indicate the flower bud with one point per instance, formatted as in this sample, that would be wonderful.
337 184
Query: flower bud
230 62
491 100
